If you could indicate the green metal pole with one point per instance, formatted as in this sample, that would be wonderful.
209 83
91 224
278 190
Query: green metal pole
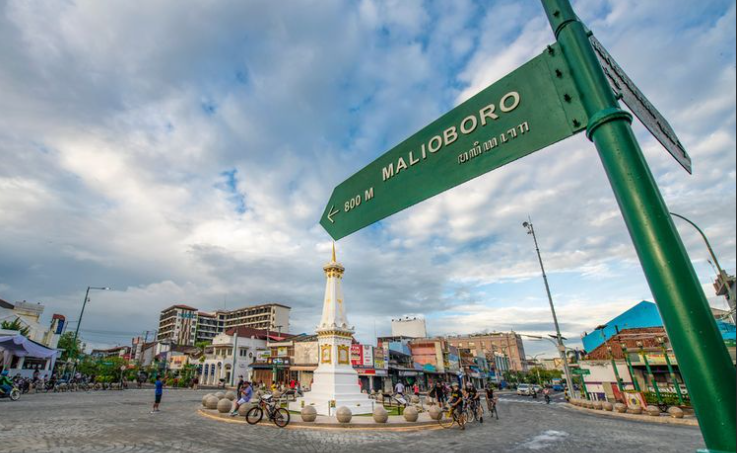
643 354
672 375
703 358
616 374
632 371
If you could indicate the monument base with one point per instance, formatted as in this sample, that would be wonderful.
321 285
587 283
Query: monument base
340 386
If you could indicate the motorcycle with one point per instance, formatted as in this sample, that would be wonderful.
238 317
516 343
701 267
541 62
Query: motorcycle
547 399
13 395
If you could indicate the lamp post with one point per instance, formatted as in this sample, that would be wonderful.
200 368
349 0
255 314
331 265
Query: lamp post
561 347
722 275
84 304
635 384
661 340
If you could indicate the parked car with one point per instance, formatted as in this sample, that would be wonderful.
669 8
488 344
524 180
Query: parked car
524 389
558 388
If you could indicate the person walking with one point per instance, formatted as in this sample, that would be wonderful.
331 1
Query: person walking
158 393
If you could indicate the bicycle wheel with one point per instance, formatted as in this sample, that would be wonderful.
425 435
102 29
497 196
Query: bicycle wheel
14 395
254 415
281 417
470 413
446 419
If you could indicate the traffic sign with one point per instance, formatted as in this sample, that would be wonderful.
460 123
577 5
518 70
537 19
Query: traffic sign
639 104
581 371
528 110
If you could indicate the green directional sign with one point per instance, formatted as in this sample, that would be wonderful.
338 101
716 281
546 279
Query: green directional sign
528 110
581 371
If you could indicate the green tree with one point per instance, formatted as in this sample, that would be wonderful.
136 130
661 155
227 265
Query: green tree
66 342
16 324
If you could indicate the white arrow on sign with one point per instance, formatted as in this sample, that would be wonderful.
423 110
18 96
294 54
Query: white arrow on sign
332 213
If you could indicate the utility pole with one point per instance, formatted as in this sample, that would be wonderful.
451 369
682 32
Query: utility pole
561 347
235 357
702 356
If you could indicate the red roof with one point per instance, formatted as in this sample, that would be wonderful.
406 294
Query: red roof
247 332
629 337
183 307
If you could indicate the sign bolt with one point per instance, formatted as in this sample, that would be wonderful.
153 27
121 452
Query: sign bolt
551 50
558 73
576 123
568 98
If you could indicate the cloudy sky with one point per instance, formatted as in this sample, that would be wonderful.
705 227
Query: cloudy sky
184 153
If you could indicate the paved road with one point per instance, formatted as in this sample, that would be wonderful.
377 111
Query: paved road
120 422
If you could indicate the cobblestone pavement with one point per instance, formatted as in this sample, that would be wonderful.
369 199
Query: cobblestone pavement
120 422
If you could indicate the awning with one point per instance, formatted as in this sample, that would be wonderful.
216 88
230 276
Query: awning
20 346
303 367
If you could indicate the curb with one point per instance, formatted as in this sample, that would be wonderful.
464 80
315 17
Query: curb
397 427
639 418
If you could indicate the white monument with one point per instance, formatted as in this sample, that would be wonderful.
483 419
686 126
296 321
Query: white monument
335 381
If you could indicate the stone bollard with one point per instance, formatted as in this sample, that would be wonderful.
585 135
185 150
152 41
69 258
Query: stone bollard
230 395
244 408
653 411
436 413
415 400
609 407
220 395
380 415
277 394
204 399
598 406
212 403
309 414
675 412
411 414
621 408
344 415
637 410
224 406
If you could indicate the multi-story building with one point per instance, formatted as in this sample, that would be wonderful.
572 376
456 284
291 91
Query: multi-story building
273 317
509 344
208 327
185 325
178 325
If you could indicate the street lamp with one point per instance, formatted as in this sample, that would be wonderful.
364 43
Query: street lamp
561 347
722 274
84 304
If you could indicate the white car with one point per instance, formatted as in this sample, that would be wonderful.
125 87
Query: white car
524 389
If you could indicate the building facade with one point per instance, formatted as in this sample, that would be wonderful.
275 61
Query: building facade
178 324
509 344
185 325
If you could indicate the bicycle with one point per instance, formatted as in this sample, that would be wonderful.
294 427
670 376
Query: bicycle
278 415
491 405
450 417
474 411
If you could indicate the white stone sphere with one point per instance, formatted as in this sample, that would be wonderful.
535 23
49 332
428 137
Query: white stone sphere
309 414
411 414
212 402
676 412
381 415
204 399
344 415
220 395
436 413
230 395
225 406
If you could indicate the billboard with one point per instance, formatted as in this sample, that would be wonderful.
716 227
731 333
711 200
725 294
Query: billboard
356 355
379 362
368 356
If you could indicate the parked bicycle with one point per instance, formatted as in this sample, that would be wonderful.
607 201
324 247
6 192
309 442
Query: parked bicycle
473 410
267 405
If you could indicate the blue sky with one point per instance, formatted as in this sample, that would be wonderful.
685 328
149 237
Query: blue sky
186 155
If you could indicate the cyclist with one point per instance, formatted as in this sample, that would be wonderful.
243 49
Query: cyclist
475 399
6 385
456 403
